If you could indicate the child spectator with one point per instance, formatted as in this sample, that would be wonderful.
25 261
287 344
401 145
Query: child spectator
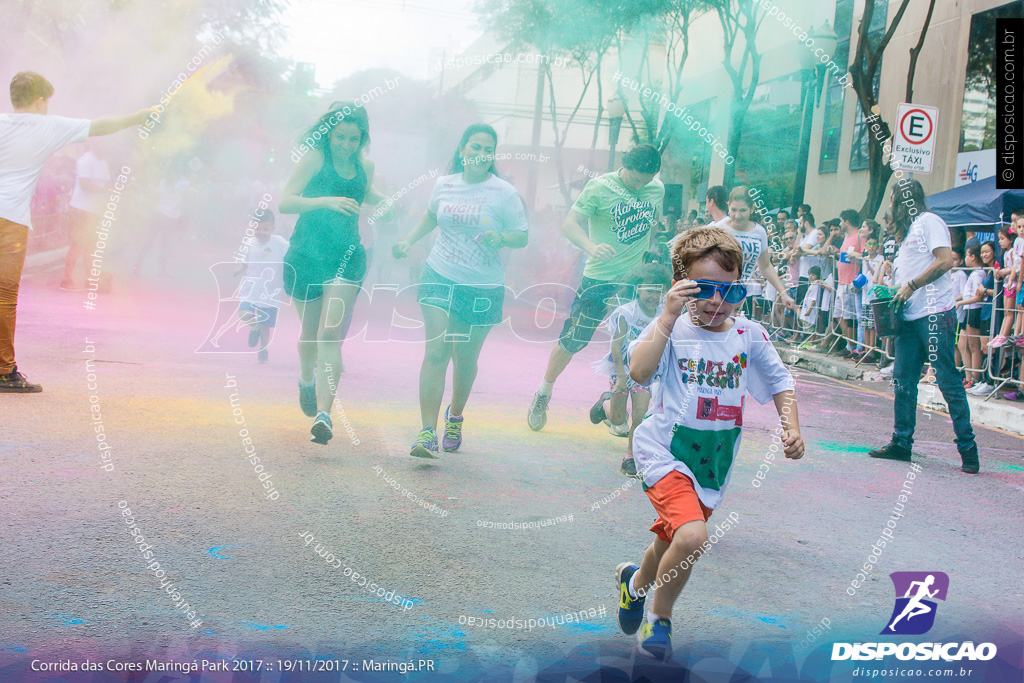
260 289
686 447
971 302
870 266
812 300
1008 276
625 324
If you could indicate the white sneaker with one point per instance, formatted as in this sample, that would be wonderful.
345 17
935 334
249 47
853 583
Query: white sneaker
983 389
619 430
886 371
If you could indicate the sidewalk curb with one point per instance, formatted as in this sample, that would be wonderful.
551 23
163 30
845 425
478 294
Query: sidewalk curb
996 414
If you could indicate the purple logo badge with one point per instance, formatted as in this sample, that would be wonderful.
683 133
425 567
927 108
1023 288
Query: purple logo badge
916 593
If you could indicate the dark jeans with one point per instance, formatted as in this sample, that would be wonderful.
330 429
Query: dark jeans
930 339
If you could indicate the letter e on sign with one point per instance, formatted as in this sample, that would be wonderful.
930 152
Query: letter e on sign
915 137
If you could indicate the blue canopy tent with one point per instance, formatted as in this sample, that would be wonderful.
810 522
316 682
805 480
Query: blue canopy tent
978 207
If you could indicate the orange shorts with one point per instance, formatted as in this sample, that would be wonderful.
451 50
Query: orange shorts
676 502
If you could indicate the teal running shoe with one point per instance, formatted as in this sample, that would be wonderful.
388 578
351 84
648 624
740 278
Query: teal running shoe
631 610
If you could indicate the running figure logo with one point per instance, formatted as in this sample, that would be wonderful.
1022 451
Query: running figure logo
914 612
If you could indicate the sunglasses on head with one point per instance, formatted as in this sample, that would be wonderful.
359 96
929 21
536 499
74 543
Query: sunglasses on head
731 292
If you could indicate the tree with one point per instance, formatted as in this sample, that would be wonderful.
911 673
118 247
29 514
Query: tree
574 34
665 22
866 63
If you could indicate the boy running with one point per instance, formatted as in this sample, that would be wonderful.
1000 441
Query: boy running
611 221
686 446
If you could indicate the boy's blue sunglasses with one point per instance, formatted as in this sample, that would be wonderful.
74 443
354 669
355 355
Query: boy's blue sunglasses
731 292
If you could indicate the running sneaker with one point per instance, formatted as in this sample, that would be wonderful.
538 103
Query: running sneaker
998 341
426 445
254 336
537 416
322 430
597 414
1019 341
968 384
15 383
452 431
886 371
983 389
1014 396
262 356
307 398
631 610
619 430
655 640
628 467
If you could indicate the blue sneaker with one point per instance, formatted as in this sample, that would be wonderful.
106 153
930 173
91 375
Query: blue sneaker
307 398
322 429
631 610
655 640
426 445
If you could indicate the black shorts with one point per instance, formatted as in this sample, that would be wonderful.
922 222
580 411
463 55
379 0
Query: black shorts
974 318
305 275
594 300
480 306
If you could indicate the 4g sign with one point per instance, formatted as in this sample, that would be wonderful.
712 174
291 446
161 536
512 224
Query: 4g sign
915 137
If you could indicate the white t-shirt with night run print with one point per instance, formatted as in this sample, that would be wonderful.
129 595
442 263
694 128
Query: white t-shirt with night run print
753 242
695 418
465 211
636 322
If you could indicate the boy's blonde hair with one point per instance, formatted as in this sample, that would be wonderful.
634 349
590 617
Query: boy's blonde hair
698 243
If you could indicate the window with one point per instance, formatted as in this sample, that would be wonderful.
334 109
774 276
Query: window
828 161
977 123
859 159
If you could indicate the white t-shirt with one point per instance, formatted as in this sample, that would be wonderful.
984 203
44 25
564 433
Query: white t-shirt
927 233
868 267
90 167
753 241
826 293
26 142
809 311
464 212
970 290
261 283
695 418
636 322
959 284
806 261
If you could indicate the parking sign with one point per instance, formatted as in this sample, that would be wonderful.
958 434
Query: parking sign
915 137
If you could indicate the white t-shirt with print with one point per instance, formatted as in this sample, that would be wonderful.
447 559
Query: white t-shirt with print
26 142
262 279
975 279
90 167
695 418
465 211
809 311
927 233
636 322
753 242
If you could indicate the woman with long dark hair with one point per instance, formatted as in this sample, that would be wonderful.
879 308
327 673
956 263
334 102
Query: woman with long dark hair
462 287
928 327
325 260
